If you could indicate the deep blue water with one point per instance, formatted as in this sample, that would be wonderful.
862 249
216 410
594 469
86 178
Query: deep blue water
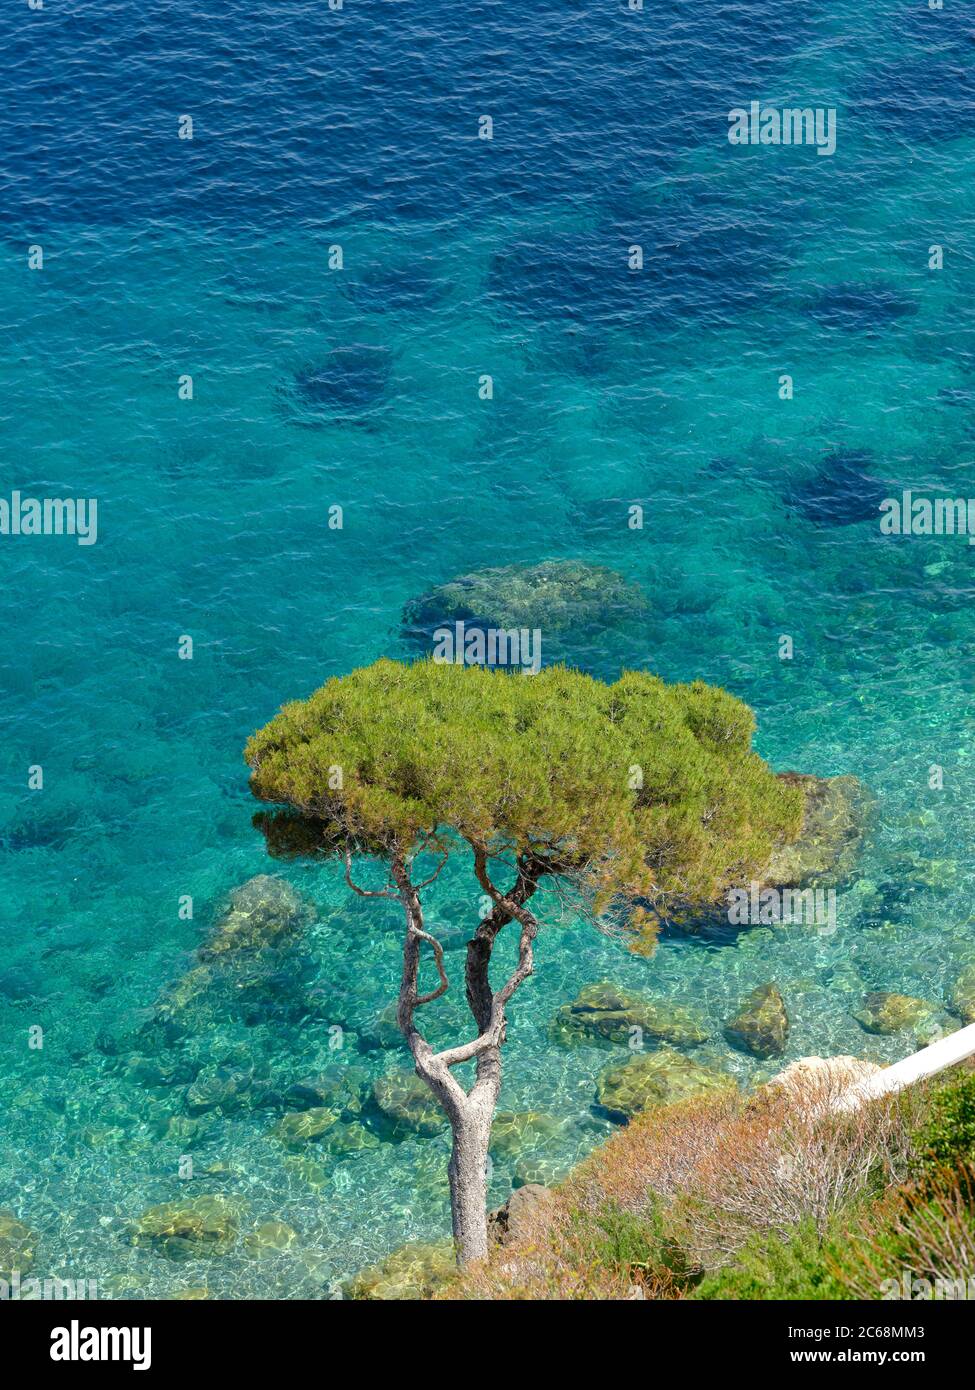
313 387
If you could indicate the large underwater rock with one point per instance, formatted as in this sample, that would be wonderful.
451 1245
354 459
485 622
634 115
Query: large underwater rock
17 1245
269 1238
962 994
835 818
301 1127
346 383
656 1078
247 967
190 1230
340 1086
841 493
262 914
761 1025
603 1012
556 596
350 1137
412 1272
407 1103
515 1133
224 1090
860 307
883 1012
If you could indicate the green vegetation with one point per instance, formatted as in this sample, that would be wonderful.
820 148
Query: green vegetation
636 790
771 1268
947 1138
637 786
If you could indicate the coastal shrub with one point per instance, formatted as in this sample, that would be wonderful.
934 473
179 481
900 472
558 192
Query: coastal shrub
635 1247
770 1267
918 1242
946 1138
725 1196
787 1160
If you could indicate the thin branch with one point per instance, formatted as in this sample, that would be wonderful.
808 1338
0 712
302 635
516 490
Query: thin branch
438 957
364 892
436 873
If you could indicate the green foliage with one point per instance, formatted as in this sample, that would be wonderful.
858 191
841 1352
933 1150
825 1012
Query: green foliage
947 1136
551 765
632 1245
921 1232
770 1268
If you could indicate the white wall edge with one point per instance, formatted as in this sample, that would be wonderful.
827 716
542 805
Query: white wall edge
928 1062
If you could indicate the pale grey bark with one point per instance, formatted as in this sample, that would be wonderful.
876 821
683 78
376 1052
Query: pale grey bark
470 1113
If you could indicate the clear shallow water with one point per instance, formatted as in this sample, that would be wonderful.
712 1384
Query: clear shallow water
165 257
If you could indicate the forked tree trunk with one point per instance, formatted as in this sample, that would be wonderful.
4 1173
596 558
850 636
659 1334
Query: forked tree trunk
470 1113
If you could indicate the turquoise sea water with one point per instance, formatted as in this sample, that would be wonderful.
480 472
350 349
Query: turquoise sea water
611 387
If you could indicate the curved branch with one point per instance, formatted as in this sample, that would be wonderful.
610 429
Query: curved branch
436 873
488 1008
364 892
438 957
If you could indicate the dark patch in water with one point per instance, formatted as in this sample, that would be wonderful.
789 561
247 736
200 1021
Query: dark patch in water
348 382
842 492
957 395
859 308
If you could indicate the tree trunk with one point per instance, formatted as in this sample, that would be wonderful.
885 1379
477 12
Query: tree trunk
470 1114
468 1182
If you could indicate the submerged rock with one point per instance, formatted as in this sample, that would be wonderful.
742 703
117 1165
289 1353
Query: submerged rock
190 1230
555 596
384 1031
412 1272
407 1103
179 1000
761 1025
962 994
340 1087
264 912
656 1078
890 1013
535 1170
602 1012
304 1126
841 493
269 1238
345 383
246 968
515 1132
860 307
350 1138
17 1245
834 824
222 1089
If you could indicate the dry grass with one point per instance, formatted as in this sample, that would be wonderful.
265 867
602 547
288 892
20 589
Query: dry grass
778 1163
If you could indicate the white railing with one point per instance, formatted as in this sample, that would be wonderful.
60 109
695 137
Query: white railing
928 1062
